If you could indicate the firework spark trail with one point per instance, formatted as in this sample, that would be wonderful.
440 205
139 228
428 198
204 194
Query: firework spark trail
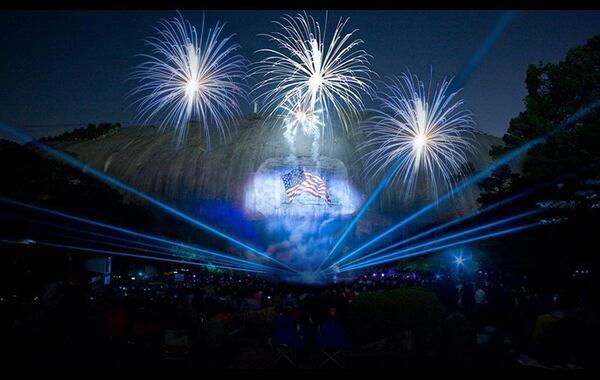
300 117
187 76
315 149
330 74
427 130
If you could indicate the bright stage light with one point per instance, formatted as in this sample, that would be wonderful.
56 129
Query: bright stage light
265 195
459 260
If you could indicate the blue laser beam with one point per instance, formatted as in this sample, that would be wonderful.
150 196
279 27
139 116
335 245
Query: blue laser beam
448 224
124 230
469 68
27 139
164 251
461 79
483 210
117 253
582 112
382 184
461 242
455 235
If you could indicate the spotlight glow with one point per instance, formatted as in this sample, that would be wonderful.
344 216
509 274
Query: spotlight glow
188 77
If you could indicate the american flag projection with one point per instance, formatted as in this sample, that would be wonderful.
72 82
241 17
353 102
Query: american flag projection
298 181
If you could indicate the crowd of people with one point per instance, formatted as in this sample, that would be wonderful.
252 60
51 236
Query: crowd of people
216 320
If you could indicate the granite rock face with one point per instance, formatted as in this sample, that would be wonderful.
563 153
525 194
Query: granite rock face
182 175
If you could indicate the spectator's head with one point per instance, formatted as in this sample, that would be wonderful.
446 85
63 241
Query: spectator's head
332 312
288 309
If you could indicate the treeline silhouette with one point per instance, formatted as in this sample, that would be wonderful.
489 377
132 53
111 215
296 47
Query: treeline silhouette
91 131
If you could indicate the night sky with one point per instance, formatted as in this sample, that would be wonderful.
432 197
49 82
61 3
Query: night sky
70 68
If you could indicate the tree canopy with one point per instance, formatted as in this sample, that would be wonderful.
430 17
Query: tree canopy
555 92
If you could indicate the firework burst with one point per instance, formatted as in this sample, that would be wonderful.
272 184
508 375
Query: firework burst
420 130
328 74
300 115
189 76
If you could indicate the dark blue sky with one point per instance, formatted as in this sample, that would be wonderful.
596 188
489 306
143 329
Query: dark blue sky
71 67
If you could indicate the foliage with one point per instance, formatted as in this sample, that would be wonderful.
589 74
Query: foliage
92 131
373 316
497 185
557 91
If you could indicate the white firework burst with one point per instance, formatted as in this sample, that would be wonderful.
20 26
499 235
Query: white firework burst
190 76
419 130
300 115
329 74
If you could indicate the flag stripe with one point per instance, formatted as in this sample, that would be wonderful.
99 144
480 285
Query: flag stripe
298 181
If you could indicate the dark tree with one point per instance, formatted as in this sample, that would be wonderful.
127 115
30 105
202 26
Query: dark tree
466 170
556 92
497 186
92 131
